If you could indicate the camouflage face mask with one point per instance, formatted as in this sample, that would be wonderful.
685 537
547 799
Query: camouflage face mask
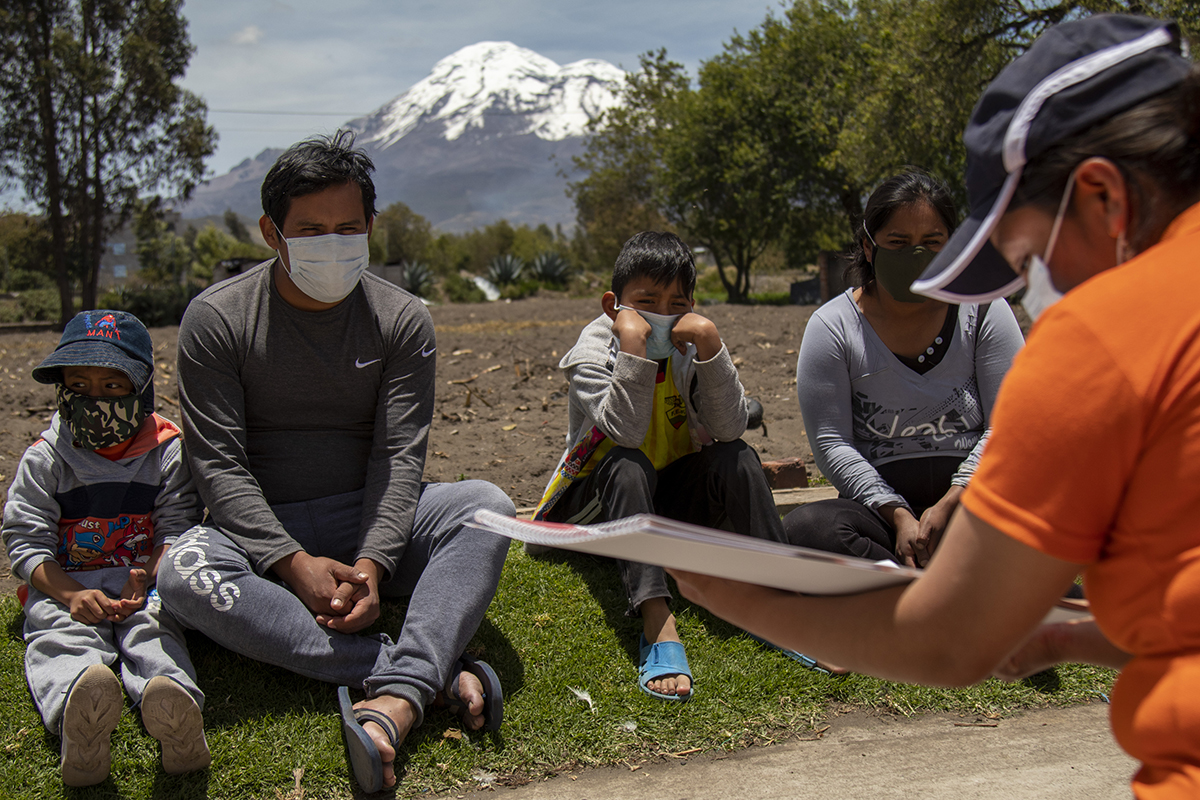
100 422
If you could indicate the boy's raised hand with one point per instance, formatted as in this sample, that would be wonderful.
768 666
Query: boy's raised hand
631 331
692 328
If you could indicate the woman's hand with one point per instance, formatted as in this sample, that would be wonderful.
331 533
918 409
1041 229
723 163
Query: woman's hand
1077 641
935 519
911 541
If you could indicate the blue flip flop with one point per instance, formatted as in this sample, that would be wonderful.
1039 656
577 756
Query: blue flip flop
659 659
493 693
364 755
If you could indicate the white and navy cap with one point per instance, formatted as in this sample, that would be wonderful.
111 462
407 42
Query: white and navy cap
1075 75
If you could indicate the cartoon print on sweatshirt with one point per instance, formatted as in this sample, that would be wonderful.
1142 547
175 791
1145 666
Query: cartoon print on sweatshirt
92 543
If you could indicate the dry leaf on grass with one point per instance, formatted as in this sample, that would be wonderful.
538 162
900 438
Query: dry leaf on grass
297 792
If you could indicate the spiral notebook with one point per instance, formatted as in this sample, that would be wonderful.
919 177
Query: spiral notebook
651 539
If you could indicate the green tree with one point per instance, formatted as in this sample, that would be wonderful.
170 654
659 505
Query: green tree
91 116
403 234
734 162
614 198
792 124
529 243
751 152
212 245
164 258
235 227
447 255
25 259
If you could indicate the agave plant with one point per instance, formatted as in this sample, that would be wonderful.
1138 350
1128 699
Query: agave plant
551 268
416 278
505 270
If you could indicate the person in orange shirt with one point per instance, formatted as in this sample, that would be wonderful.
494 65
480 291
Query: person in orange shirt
1083 171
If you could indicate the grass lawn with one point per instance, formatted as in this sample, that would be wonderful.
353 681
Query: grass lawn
557 623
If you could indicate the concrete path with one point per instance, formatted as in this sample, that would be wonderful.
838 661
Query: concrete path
1053 753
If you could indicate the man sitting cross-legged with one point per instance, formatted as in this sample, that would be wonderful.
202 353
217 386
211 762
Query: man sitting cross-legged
307 392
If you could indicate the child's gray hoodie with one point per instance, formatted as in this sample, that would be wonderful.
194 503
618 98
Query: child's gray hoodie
76 507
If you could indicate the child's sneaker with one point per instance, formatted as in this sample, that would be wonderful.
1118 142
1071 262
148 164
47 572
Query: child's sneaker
89 718
172 716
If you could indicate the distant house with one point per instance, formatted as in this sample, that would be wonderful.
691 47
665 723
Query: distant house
119 265
393 273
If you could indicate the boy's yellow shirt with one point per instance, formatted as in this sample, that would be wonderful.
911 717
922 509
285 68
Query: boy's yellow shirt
667 439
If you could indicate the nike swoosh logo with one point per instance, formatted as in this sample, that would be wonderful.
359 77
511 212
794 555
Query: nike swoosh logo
427 353
361 364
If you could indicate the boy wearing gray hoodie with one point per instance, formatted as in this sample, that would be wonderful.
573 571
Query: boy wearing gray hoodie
93 508
655 414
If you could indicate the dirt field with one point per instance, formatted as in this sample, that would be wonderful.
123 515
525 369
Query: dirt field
501 409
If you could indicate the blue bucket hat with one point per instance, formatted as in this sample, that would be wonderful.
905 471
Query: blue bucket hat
1075 75
102 338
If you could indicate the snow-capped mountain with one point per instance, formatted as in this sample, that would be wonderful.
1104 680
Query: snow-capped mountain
499 78
484 136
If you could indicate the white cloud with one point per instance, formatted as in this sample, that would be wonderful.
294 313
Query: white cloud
250 35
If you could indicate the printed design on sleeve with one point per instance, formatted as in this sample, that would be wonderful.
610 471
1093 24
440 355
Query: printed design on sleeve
579 454
93 542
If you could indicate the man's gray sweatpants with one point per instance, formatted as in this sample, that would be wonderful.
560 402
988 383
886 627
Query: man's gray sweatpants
448 571
147 643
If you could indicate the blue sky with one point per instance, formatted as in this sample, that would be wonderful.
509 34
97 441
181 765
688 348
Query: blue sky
332 61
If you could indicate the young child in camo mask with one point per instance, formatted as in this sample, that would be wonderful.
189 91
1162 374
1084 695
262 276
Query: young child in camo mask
93 508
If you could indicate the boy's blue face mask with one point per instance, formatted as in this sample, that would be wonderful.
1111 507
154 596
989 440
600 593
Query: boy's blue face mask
658 343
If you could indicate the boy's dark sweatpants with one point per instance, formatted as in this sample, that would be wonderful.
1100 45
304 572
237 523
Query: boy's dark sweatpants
723 482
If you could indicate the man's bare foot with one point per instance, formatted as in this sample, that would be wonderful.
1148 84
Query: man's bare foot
658 625
470 691
402 713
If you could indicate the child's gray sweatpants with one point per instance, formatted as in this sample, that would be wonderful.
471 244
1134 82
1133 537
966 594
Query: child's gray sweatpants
448 572
147 643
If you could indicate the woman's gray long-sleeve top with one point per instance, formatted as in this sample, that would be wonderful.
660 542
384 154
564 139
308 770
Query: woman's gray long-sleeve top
863 407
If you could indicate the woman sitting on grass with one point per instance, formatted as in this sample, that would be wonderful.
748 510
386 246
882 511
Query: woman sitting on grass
896 389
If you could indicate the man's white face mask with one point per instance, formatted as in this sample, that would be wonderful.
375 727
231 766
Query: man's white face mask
327 267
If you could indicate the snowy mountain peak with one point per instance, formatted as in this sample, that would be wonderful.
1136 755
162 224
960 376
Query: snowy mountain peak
488 80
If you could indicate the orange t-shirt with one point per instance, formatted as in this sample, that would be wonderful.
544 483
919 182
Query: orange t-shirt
1094 458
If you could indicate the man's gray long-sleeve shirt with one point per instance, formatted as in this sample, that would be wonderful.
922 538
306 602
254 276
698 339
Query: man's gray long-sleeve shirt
282 405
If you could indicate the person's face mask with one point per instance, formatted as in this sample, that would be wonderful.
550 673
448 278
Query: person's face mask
895 270
99 422
658 343
1040 293
327 267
